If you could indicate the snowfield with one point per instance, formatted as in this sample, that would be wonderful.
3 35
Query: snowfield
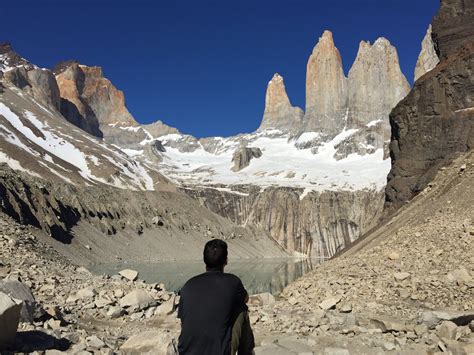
282 163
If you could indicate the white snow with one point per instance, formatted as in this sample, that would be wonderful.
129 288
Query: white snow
15 164
373 123
281 160
133 174
307 137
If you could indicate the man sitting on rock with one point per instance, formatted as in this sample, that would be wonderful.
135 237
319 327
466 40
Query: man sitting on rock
213 310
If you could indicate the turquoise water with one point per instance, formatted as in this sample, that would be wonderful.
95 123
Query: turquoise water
258 275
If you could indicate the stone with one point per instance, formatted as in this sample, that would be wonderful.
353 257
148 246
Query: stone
242 157
447 330
346 308
427 58
420 329
330 303
152 342
461 276
130 275
262 299
87 292
293 301
136 299
166 307
386 324
31 310
10 310
460 318
400 276
115 312
94 342
393 256
279 113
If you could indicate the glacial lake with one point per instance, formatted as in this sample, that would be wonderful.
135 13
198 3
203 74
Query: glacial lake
258 275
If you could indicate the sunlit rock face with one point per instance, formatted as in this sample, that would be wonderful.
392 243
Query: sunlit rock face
279 113
427 58
326 88
376 83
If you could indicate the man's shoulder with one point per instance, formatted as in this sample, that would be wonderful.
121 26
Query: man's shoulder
231 278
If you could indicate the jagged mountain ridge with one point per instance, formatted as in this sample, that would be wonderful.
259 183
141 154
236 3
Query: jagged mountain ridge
316 163
315 169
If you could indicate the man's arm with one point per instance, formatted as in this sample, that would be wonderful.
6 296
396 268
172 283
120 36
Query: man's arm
242 295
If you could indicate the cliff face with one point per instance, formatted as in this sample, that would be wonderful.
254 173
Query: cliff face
91 102
435 122
318 224
428 58
376 83
326 88
279 113
36 82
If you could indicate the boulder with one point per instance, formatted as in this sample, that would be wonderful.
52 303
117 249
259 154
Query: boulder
330 303
447 330
138 299
152 342
262 299
166 307
242 157
88 292
31 310
400 276
386 324
10 310
131 275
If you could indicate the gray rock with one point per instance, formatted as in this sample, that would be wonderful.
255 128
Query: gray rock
262 299
131 275
447 330
88 292
153 342
31 310
330 303
9 318
166 307
94 342
242 157
136 299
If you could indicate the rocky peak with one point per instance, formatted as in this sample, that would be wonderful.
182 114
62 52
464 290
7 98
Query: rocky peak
326 88
9 59
89 100
376 83
428 58
279 113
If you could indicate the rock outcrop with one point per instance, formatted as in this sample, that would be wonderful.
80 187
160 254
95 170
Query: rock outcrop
376 84
89 100
36 82
243 155
326 88
279 113
428 58
435 122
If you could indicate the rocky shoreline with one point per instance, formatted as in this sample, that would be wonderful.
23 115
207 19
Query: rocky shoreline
410 292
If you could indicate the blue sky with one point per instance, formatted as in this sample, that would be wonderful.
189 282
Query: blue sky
201 65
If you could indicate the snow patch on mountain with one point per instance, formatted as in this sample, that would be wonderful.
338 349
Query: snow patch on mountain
282 163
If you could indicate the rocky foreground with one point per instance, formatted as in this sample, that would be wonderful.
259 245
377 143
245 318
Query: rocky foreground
407 288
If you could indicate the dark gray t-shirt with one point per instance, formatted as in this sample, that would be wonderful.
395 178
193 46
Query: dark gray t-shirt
208 307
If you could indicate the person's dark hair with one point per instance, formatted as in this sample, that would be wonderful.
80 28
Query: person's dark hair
215 254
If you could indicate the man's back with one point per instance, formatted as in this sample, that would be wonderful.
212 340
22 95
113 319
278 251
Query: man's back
209 305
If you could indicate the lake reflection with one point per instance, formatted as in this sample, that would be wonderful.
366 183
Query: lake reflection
258 275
